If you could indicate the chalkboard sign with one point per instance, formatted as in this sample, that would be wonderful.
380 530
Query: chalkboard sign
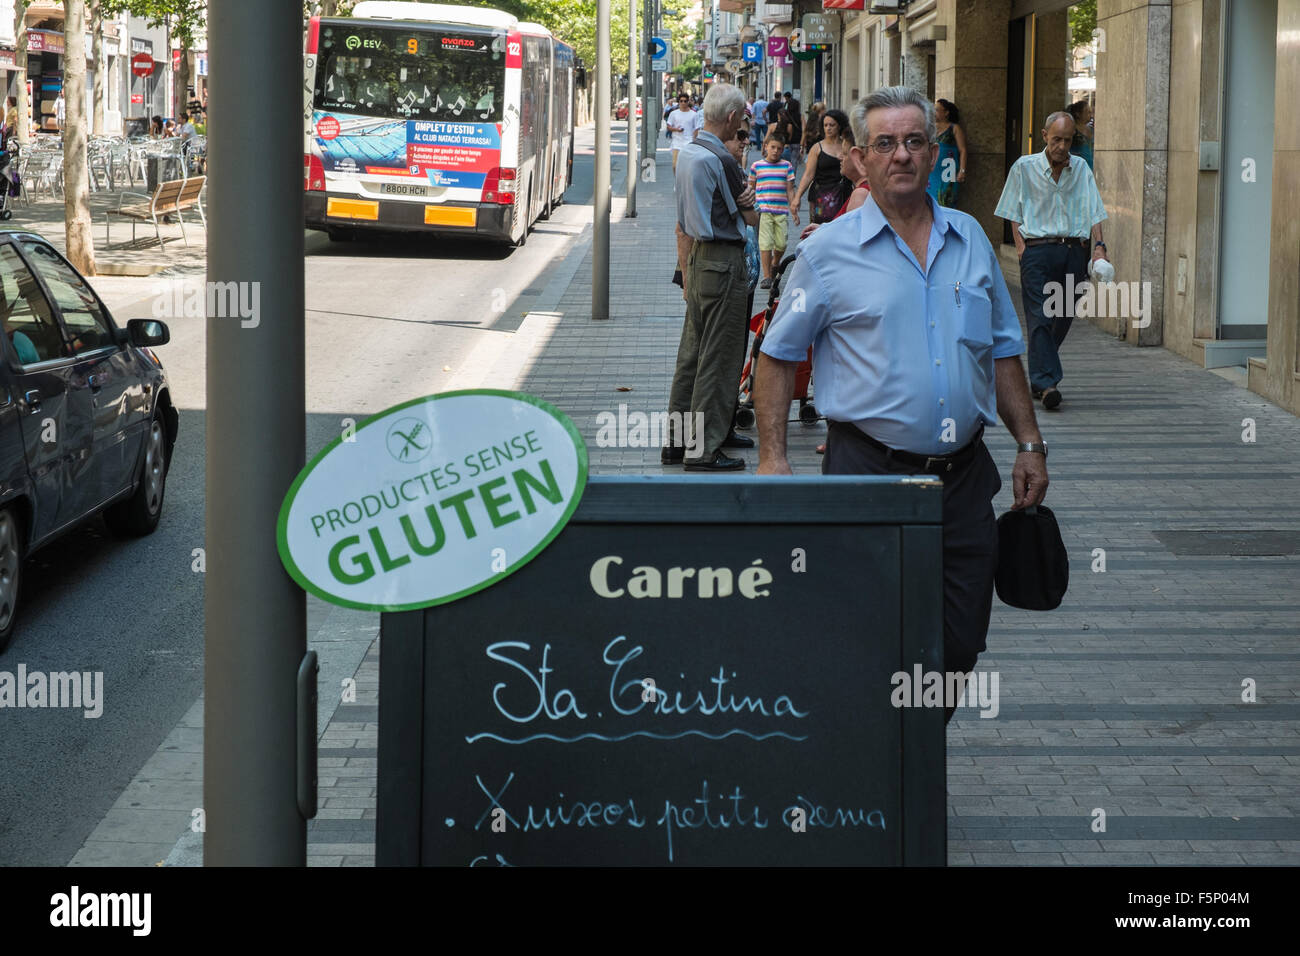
694 672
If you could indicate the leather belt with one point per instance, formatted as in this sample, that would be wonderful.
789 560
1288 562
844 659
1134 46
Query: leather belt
721 242
929 463
1057 241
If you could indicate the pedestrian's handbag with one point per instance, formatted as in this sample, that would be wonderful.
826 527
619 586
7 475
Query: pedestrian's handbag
1033 566
826 202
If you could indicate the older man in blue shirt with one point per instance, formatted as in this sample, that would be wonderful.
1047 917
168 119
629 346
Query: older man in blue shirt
916 348
1052 202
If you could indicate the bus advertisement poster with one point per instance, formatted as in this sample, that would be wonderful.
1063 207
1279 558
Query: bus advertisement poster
449 154
454 154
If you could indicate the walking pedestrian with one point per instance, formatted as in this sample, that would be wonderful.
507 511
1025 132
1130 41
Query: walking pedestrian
683 123
916 350
822 173
773 180
951 167
774 107
714 204
1081 145
1054 207
760 121
812 127
791 129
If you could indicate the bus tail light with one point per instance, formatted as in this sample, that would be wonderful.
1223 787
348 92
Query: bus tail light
499 186
313 171
313 34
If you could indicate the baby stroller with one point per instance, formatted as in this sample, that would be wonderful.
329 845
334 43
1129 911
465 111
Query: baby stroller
803 374
10 181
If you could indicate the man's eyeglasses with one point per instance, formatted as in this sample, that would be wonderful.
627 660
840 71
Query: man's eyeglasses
742 135
887 144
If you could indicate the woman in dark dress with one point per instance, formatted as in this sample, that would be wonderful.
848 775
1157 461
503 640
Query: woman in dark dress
822 180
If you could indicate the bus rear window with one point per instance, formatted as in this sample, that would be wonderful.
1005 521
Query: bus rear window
416 74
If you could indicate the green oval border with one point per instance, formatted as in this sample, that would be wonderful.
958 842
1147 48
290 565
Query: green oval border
282 522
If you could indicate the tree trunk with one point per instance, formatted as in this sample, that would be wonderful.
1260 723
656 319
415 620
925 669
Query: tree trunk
97 37
183 78
76 178
329 8
20 60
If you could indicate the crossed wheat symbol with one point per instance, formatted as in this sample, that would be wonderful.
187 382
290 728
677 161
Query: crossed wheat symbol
410 440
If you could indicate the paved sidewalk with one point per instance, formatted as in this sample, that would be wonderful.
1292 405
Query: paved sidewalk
1127 699
124 257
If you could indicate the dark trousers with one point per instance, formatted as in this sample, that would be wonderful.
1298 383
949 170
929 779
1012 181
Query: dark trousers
970 538
710 355
1040 267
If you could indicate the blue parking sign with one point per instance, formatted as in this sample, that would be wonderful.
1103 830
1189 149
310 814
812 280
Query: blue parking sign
753 53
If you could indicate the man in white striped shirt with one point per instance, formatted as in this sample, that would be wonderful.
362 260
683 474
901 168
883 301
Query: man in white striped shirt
1055 209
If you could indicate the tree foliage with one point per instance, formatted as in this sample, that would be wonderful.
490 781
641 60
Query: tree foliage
184 19
574 22
1083 21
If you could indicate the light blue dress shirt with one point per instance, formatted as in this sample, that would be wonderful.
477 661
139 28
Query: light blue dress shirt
1044 207
904 353
705 209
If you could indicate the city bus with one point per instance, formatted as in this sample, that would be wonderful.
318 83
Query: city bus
435 118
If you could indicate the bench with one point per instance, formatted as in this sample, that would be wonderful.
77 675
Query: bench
168 199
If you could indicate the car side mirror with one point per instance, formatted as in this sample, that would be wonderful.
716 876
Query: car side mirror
146 332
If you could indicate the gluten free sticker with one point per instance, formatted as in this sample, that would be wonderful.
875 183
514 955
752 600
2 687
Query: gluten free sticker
432 500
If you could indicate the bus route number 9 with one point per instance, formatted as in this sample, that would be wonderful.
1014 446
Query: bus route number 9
413 46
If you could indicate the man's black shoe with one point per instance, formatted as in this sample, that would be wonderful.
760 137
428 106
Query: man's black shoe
1037 393
1051 399
719 462
672 455
737 441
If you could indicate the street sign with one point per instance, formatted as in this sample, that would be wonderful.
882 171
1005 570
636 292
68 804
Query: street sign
658 48
657 657
142 64
795 41
753 53
660 65
432 500
819 28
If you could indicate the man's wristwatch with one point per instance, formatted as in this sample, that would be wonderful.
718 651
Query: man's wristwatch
1039 447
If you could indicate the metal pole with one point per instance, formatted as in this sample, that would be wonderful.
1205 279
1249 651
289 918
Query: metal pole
647 32
633 167
601 198
255 617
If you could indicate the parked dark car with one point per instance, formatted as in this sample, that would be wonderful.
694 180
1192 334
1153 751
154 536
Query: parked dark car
87 424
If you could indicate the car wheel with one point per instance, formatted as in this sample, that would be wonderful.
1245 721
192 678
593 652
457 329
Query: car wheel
139 514
11 566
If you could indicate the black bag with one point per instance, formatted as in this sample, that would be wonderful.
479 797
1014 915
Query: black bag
1033 567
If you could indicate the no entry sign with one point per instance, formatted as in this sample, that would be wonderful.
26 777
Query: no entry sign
142 64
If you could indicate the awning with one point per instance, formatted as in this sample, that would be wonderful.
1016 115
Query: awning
1082 83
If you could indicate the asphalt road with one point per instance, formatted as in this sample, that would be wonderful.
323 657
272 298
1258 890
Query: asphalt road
387 321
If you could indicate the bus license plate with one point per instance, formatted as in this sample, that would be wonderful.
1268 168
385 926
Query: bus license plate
403 189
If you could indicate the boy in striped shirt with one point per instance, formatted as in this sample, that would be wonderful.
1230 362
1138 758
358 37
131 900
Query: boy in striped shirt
773 180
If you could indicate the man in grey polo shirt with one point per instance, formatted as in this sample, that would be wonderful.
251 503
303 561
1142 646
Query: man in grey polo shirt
714 202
